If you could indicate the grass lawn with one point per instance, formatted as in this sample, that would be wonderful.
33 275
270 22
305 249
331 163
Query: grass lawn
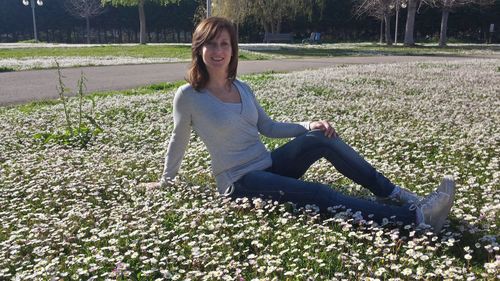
137 51
12 59
32 57
77 211
364 49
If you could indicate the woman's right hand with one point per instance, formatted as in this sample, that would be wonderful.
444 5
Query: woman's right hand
324 126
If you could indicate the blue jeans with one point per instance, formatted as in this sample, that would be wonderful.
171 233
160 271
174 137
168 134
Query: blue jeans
281 181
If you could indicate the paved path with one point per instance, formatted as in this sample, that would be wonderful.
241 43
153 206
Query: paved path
25 86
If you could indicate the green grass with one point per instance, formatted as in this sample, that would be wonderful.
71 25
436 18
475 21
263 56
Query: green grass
374 49
6 69
138 51
184 51
188 228
260 78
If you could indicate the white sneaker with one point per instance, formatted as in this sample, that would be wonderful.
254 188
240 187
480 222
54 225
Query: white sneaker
447 185
435 207
404 196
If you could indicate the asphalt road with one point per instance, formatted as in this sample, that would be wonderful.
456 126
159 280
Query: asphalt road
24 86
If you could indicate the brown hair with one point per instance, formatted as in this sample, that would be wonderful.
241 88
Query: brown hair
206 31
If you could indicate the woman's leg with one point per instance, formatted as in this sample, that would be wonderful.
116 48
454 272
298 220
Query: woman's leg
294 158
267 185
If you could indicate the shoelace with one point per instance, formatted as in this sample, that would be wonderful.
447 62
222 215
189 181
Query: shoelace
424 202
408 196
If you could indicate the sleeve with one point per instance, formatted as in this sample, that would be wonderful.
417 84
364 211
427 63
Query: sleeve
179 138
273 129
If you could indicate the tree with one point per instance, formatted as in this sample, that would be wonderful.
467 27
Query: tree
410 22
446 7
142 15
84 9
381 10
235 10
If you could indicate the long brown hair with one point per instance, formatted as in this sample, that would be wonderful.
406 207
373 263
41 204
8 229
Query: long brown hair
206 31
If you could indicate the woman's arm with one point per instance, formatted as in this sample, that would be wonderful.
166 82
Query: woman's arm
179 138
273 129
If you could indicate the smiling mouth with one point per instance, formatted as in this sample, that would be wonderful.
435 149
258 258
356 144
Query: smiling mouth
217 59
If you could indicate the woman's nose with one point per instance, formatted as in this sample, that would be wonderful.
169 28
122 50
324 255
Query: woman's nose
217 47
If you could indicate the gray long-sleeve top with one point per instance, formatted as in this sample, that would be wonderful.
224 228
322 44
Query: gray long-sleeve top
232 138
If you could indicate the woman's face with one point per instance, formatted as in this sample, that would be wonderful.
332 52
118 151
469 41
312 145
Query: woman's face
217 53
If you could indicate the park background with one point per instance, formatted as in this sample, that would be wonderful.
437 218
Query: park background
173 21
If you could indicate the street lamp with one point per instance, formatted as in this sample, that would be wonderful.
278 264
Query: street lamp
32 2
209 8
398 5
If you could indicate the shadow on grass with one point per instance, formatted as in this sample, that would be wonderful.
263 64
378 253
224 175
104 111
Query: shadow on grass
6 69
470 234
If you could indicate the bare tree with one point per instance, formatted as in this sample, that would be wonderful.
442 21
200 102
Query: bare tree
379 9
446 7
84 9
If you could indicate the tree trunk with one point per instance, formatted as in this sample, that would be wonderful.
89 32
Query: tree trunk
444 27
142 20
388 39
237 27
381 38
410 22
120 35
87 20
68 35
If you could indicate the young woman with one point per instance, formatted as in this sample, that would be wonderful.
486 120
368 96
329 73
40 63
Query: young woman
228 118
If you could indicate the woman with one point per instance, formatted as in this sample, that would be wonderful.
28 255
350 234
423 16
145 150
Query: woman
226 115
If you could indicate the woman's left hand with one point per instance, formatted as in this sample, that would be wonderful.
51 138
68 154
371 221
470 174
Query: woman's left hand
324 126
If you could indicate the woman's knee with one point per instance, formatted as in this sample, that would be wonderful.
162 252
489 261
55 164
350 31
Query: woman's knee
318 138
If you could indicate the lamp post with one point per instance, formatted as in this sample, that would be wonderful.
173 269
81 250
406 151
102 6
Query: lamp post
209 8
398 6
32 2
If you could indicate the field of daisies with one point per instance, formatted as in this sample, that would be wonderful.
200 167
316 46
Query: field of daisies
72 207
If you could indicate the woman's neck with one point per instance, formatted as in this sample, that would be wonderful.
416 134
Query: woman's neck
218 83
